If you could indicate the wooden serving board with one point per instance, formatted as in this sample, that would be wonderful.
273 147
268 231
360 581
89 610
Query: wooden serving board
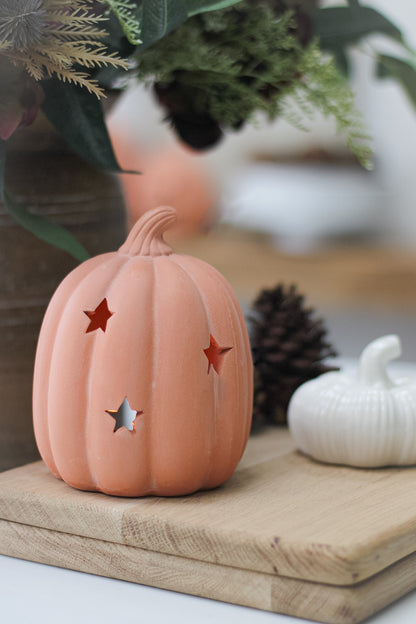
284 534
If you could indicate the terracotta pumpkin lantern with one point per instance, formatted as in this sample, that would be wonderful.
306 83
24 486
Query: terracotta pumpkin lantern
143 373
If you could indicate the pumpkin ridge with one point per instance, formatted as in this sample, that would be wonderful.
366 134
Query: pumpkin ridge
46 444
222 283
88 381
152 484
237 340
176 258
79 286
247 355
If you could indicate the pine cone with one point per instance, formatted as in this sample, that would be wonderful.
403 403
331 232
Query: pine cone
288 345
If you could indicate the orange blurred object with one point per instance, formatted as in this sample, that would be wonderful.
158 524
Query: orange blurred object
170 175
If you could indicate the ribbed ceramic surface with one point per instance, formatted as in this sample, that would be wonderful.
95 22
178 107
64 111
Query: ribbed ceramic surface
362 419
193 411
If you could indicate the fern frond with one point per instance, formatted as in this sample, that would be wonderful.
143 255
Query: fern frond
31 65
325 90
89 54
71 32
78 17
124 10
78 78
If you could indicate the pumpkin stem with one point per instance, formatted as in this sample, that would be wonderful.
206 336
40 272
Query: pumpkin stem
374 358
146 235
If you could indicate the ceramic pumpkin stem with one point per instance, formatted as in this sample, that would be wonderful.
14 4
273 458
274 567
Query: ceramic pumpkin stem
374 359
146 236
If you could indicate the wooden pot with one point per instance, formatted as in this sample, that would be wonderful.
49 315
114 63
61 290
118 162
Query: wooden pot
44 174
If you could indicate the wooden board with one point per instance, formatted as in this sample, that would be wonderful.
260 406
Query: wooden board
285 534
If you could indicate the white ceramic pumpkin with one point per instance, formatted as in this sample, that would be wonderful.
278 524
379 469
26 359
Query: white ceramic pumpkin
360 418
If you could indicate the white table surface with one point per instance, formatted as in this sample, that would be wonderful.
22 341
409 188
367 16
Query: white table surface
32 593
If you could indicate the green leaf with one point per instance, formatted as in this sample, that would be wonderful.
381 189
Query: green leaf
2 167
78 116
44 229
342 26
202 6
341 61
160 17
401 70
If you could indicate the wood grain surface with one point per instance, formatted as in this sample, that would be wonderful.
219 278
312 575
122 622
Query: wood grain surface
284 534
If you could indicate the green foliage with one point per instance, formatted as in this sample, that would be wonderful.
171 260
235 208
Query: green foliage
202 6
224 78
79 118
342 26
160 17
404 71
325 90
229 81
126 13
44 229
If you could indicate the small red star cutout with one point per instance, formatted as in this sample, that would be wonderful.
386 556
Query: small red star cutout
98 317
215 354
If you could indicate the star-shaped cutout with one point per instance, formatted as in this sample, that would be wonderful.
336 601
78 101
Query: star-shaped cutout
125 416
215 354
98 317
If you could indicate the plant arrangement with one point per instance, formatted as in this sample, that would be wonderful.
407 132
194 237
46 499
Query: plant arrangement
213 65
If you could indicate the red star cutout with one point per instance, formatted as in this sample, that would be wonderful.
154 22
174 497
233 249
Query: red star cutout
215 354
98 317
125 416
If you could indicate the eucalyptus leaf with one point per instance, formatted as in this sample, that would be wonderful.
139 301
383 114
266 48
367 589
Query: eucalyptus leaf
401 70
160 17
343 26
202 6
2 167
45 230
78 117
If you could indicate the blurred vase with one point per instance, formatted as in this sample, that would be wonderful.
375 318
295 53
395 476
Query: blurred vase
53 182
170 175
